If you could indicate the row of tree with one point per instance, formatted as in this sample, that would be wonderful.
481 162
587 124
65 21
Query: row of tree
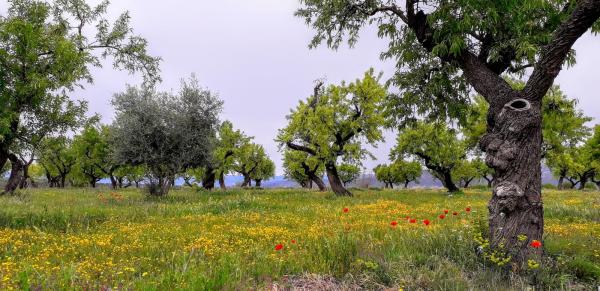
335 122
156 137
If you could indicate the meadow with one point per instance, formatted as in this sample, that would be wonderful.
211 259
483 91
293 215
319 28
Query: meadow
279 239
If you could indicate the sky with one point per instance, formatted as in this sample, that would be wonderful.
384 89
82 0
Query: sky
255 55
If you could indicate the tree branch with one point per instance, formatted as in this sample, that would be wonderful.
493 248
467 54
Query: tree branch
555 52
301 148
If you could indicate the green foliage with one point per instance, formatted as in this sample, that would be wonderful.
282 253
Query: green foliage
93 153
297 164
57 157
230 144
348 173
400 171
505 36
252 162
333 123
466 171
45 50
432 143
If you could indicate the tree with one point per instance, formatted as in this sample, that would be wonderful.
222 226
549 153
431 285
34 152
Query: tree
44 52
483 171
465 172
303 168
436 146
385 174
93 155
252 162
193 175
348 173
55 116
334 123
229 144
58 159
264 171
475 43
167 133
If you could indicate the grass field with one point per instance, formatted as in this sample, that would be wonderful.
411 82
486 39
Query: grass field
98 239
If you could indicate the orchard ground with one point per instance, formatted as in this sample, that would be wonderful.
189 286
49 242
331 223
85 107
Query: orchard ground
277 239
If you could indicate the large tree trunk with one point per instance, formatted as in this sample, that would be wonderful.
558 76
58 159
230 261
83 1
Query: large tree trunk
513 146
583 182
16 174
222 181
258 182
445 176
334 180
63 179
93 182
208 182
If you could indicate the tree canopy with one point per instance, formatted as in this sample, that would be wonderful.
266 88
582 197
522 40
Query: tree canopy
335 122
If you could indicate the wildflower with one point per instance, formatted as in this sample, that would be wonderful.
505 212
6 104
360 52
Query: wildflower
346 209
413 220
407 218
293 241
278 247
533 264
394 223
468 209
454 213
426 222
442 216
522 237
535 243
446 211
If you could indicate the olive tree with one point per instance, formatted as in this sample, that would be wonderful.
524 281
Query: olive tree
167 133
335 122
451 44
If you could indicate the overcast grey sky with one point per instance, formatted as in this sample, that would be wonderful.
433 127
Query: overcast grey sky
254 54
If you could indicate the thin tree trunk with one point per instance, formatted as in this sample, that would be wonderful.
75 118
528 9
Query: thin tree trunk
113 182
406 184
222 181
513 147
63 179
247 181
25 176
560 184
93 182
334 180
582 182
258 182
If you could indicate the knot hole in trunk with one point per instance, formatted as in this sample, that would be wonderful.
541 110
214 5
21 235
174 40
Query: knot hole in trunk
518 105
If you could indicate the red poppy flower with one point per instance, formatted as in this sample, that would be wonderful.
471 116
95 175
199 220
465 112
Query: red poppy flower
446 211
413 220
407 218
535 243
442 216
278 247
293 241
454 213
346 209
394 223
426 221
468 209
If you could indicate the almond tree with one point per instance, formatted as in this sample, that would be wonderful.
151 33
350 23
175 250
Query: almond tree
448 44
334 123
